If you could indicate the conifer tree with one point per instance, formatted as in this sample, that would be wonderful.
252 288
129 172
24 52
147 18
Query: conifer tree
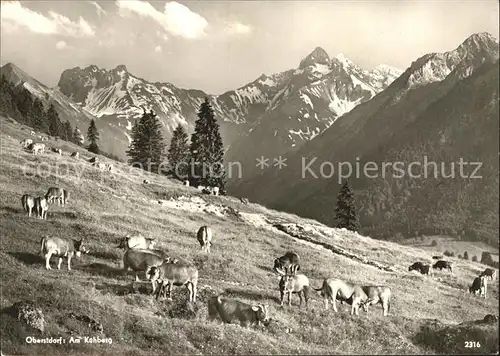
207 150
147 146
67 132
78 137
345 211
38 118
93 137
55 125
178 153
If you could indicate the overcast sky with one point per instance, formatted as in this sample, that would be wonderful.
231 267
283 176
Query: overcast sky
221 45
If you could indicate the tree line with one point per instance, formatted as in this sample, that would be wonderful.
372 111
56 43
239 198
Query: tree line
200 161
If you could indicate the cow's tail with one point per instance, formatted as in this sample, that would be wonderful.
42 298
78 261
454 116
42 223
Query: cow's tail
42 245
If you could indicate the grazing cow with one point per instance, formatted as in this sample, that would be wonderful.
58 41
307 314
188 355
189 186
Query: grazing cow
137 242
215 190
59 194
244 201
335 288
98 165
32 133
377 294
56 150
490 274
26 142
145 181
437 257
423 268
204 237
287 264
139 260
186 183
28 203
108 167
61 248
201 188
479 285
441 264
176 274
296 283
37 148
94 160
75 155
228 310
41 207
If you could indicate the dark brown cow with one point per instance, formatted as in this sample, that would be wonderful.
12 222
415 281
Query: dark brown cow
287 264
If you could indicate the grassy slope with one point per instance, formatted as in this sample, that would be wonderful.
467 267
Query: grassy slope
106 206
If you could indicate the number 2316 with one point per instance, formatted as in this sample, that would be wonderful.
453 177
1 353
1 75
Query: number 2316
472 344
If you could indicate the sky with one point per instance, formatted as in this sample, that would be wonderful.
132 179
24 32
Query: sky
216 46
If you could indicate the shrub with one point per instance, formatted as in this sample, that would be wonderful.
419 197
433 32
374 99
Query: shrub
460 256
434 243
448 253
474 258
486 258
466 255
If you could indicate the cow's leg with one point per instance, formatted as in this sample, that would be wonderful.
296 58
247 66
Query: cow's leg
59 263
47 260
195 291
290 299
189 286
326 302
300 297
69 262
333 300
282 296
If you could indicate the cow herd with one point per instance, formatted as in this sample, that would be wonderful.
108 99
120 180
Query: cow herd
479 284
164 272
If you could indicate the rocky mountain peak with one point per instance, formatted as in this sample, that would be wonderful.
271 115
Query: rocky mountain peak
317 56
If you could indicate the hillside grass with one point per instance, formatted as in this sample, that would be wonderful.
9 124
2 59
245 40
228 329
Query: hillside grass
106 206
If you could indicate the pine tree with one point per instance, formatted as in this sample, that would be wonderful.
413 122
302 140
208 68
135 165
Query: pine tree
207 150
67 132
78 137
39 118
55 125
345 212
93 137
466 255
178 153
147 146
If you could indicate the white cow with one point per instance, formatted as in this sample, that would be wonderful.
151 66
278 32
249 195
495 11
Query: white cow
37 148
26 142
186 183
201 188
215 190
32 133
108 167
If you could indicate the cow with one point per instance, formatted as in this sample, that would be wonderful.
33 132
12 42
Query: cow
228 310
201 188
141 260
441 264
56 150
37 148
490 274
61 248
333 289
437 257
26 142
28 203
204 237
186 183
108 167
479 285
98 165
75 155
32 133
59 194
93 160
145 181
423 268
294 283
377 294
215 190
288 263
41 207
177 274
137 242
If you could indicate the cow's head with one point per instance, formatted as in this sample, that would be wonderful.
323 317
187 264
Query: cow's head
150 243
80 248
261 311
153 273
123 242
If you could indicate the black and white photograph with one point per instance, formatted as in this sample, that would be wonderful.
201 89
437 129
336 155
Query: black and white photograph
249 177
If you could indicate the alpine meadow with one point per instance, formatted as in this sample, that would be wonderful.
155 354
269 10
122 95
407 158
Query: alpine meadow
249 177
